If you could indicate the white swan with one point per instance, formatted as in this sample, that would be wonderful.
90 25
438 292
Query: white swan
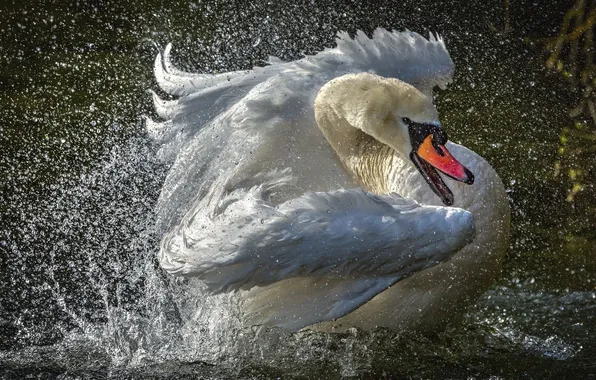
255 202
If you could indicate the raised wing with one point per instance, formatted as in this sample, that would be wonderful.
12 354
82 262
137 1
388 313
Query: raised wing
408 56
240 239
313 258
237 111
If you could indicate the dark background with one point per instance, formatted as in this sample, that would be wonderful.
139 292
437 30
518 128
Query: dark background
79 177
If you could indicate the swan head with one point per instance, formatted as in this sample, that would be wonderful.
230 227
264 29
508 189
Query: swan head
421 137
396 114
429 154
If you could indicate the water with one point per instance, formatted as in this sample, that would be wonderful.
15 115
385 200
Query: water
82 294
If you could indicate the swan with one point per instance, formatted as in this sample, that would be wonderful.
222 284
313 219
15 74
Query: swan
324 192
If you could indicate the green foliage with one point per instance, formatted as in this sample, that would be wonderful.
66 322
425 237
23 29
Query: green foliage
572 57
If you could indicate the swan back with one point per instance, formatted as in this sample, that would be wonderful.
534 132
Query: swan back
238 111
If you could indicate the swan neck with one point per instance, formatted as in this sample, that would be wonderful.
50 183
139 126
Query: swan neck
367 160
371 165
350 111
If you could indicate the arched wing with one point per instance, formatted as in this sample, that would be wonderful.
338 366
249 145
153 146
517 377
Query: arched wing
313 258
424 63
240 240
408 56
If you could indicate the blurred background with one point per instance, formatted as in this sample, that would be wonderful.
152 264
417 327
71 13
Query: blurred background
81 294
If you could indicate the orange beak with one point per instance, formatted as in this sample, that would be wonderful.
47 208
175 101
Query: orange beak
429 154
439 157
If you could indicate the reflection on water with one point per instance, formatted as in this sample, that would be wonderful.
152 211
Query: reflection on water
82 294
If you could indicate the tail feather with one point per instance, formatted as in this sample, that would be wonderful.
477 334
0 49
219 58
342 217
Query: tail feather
179 83
165 109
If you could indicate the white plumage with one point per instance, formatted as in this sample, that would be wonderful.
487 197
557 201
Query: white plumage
255 200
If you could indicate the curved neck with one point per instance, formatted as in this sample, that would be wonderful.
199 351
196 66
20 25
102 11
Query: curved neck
370 165
356 114
363 156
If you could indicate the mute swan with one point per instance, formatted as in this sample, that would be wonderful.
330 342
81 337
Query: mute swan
345 224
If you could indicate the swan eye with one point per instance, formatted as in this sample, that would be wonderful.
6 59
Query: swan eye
406 120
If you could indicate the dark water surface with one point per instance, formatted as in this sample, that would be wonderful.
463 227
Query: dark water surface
81 294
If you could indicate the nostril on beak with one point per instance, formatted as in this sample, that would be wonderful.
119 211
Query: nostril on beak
438 148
